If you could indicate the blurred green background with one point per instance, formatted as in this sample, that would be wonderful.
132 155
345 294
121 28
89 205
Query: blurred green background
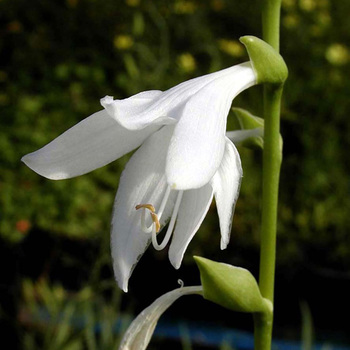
58 58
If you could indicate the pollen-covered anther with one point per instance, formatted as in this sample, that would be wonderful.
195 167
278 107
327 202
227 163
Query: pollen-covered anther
152 211
150 207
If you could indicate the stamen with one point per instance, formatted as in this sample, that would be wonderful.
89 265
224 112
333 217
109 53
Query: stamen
155 222
170 227
154 217
164 201
144 227
150 207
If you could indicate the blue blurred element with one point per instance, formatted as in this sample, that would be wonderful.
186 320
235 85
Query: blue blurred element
216 336
199 334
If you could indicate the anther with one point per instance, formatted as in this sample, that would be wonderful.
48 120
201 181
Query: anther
150 207
154 217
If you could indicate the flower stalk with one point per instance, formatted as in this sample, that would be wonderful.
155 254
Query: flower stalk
271 22
272 158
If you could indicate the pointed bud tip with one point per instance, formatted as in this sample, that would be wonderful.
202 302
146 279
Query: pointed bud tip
268 64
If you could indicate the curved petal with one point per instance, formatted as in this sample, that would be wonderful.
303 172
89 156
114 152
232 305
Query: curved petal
142 182
163 108
88 145
198 142
127 111
226 184
140 331
194 206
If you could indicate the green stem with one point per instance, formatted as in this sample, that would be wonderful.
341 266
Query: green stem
271 22
272 158
262 330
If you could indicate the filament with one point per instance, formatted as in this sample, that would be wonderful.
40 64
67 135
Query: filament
164 201
170 227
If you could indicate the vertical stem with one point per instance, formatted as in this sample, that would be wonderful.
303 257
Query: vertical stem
271 22
272 158
263 330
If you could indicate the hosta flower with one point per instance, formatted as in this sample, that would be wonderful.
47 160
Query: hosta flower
144 182
184 159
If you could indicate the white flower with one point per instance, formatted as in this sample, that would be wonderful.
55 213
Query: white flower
144 181
184 160
140 331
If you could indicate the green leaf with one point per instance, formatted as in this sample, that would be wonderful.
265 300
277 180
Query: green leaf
248 121
232 287
268 64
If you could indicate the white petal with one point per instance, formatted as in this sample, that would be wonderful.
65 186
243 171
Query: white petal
127 111
226 184
198 142
90 144
194 206
156 107
142 182
139 333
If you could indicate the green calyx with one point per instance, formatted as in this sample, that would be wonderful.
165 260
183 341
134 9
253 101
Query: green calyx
248 121
268 64
232 287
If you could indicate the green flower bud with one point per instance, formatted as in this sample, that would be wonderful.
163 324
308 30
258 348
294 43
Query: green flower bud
232 287
268 64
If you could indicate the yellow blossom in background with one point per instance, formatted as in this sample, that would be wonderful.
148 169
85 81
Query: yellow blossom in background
123 42
323 4
3 76
72 3
337 54
14 27
231 47
290 21
217 5
184 7
187 62
4 99
324 19
308 5
132 3
288 4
